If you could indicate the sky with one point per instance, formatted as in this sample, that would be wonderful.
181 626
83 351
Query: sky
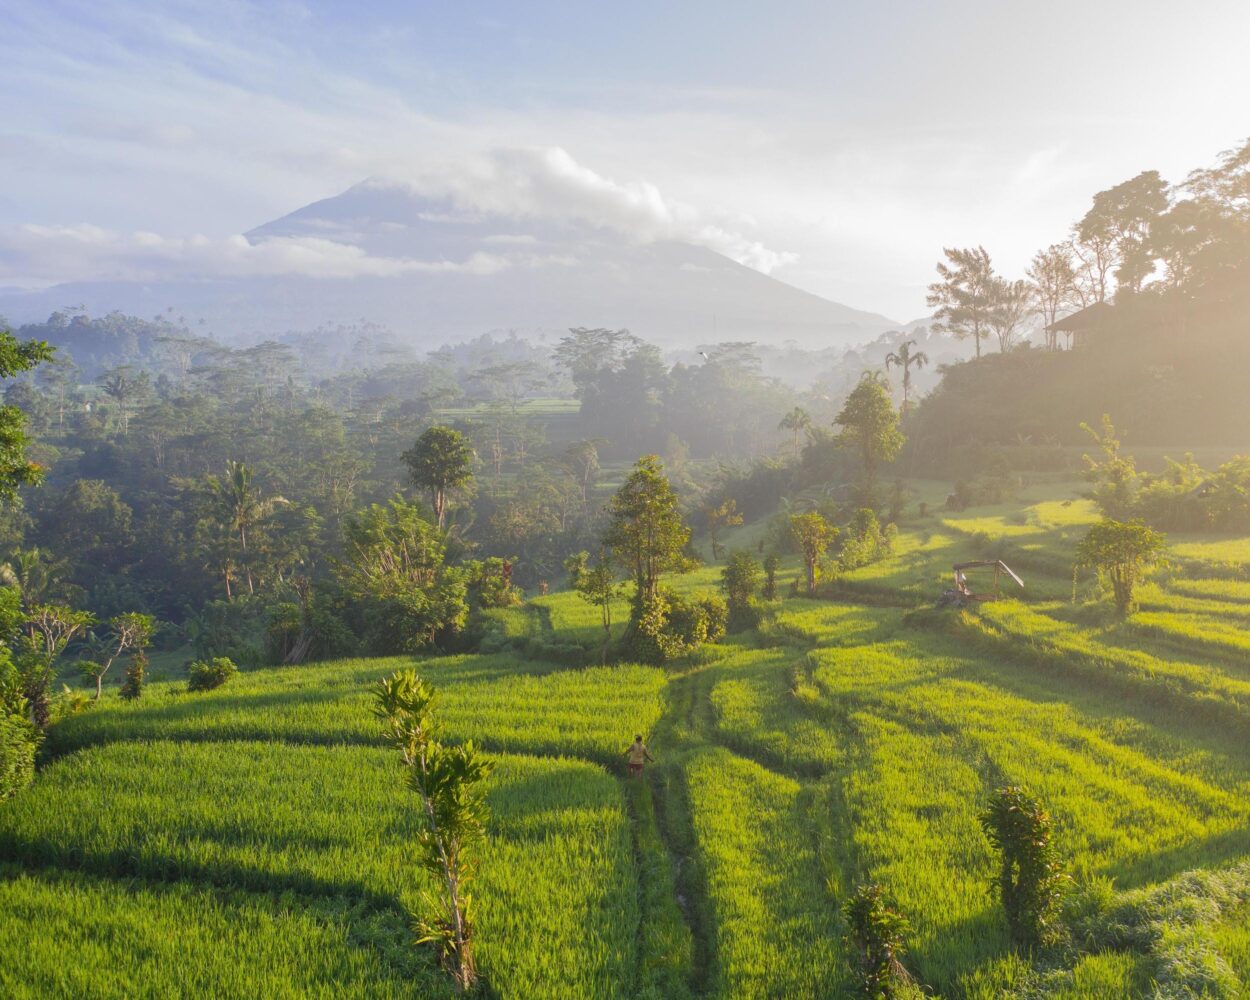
837 146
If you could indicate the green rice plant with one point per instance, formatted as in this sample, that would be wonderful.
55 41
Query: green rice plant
130 938
774 930
503 702
557 881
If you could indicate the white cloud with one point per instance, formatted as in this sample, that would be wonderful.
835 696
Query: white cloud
549 185
34 255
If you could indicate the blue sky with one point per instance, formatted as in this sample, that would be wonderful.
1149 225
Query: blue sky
852 140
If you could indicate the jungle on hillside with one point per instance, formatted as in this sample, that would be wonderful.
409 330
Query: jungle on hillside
324 663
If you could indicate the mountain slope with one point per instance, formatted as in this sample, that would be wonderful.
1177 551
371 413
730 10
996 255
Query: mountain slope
443 272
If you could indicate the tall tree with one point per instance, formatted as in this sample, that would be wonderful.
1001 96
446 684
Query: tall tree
1013 302
645 531
1119 224
241 508
905 358
440 461
796 421
870 424
963 297
15 468
1051 275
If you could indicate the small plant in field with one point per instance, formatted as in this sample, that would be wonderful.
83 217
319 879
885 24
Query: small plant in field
771 564
132 686
448 782
874 937
813 535
1031 879
596 586
739 579
204 676
1121 552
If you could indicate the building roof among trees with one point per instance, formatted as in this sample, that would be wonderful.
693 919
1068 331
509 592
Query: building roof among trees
1083 319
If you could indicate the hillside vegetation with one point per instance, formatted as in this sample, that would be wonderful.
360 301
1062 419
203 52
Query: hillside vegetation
248 841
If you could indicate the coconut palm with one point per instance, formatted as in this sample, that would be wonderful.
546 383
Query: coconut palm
905 358
797 420
240 508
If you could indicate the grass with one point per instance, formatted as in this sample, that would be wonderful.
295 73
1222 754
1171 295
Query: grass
850 739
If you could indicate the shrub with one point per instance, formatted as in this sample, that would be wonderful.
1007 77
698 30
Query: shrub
18 742
490 583
771 564
866 541
132 686
739 579
1121 552
1031 879
874 938
204 676
669 626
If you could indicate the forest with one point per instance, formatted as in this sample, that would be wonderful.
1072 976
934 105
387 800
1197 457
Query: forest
233 571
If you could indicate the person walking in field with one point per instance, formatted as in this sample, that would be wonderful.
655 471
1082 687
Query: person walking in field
638 756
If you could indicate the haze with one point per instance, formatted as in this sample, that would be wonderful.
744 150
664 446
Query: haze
837 147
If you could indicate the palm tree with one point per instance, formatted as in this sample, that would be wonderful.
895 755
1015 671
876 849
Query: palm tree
904 358
240 508
797 420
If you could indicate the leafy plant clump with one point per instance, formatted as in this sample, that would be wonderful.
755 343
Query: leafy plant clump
874 938
739 580
448 781
19 740
1031 879
1121 552
136 671
204 676
670 626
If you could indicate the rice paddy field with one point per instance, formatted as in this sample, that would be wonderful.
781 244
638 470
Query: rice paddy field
255 840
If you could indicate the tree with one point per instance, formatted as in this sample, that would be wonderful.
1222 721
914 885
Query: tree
1051 275
963 297
47 630
905 358
240 508
1117 227
719 517
447 780
132 631
1121 552
797 421
1012 302
125 388
15 468
597 585
645 531
393 567
870 424
813 535
440 461
1030 876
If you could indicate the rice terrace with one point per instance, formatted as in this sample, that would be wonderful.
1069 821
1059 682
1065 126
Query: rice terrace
456 540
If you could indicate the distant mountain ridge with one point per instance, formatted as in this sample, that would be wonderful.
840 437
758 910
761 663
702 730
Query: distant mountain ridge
444 274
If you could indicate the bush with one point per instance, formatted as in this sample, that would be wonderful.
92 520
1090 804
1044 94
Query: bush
874 937
1030 878
132 686
866 541
18 742
671 626
490 583
739 579
204 676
